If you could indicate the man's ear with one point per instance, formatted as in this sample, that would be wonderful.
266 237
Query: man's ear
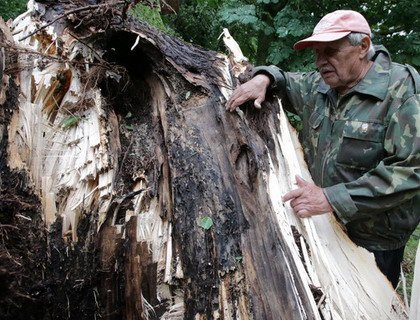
364 45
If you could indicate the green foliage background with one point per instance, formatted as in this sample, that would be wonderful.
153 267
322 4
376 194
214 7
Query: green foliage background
10 9
267 29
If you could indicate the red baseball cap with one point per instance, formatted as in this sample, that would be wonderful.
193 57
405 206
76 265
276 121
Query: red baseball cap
334 26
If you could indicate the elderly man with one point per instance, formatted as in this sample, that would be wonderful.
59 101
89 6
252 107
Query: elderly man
361 136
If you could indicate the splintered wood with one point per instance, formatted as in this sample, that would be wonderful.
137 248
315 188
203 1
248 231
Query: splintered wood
64 145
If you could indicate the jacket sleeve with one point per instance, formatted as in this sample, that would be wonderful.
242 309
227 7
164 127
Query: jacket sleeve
291 85
275 74
395 179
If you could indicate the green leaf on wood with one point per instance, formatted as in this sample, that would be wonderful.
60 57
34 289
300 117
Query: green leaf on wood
129 127
69 122
206 222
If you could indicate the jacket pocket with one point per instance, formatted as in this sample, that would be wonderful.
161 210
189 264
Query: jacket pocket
315 120
404 218
362 145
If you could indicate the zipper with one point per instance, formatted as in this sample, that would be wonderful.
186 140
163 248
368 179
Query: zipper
324 162
328 145
388 219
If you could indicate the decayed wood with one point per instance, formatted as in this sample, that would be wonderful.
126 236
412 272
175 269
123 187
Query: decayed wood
124 135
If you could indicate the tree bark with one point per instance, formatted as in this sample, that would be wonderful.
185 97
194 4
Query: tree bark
158 204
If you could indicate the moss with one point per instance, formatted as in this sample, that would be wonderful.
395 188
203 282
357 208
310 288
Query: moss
150 15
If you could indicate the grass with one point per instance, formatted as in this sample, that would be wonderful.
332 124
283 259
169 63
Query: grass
408 262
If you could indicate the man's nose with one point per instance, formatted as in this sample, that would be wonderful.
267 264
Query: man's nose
320 59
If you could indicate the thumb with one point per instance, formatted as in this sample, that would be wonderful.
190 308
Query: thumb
258 101
300 182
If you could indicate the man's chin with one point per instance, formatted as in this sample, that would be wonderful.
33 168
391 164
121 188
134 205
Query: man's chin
330 81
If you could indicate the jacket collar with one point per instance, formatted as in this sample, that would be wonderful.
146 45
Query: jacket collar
376 81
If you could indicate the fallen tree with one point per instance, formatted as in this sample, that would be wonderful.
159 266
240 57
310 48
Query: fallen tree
128 191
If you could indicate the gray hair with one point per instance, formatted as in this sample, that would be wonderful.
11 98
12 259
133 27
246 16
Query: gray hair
355 39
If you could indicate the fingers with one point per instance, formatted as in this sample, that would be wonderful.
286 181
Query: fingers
297 192
302 210
292 195
303 213
300 206
239 97
299 201
257 103
242 95
255 89
301 182
307 200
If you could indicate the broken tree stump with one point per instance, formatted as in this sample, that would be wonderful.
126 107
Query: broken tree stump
157 203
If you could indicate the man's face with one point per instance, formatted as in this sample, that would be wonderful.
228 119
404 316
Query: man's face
339 63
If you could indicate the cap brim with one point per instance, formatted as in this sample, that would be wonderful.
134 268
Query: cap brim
322 37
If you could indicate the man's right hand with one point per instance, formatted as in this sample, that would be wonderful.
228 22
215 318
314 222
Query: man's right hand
255 89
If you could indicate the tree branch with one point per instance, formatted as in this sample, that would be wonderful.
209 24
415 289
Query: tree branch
86 8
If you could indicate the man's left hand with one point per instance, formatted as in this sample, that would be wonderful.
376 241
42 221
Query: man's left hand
307 200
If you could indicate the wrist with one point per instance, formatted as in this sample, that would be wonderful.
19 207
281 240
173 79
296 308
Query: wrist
263 79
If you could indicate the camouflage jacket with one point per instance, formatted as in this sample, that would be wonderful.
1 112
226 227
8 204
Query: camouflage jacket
363 148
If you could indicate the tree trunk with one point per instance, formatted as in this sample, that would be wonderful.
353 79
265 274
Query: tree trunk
129 192
170 6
